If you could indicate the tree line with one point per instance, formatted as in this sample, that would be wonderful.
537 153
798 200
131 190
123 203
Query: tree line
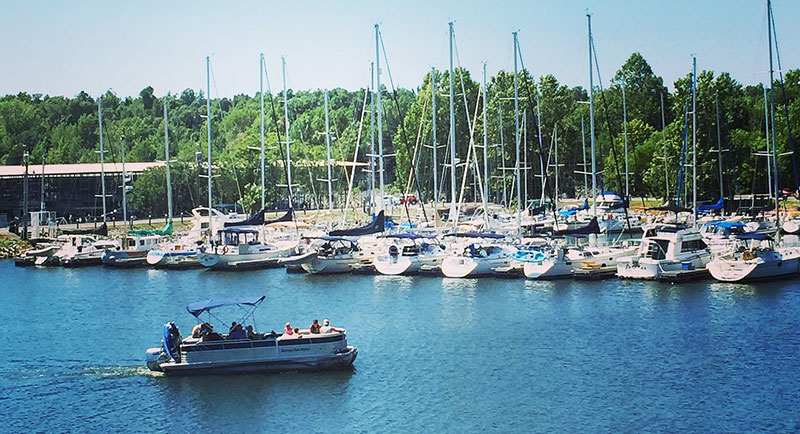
730 133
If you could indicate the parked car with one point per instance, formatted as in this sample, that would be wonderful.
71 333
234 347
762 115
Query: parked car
410 198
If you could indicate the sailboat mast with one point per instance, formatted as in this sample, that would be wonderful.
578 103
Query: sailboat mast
516 138
102 157
328 148
555 147
166 155
583 146
485 153
435 146
694 141
502 151
286 124
664 139
719 149
380 115
208 118
261 92
124 185
766 138
772 118
591 121
625 139
452 139
372 140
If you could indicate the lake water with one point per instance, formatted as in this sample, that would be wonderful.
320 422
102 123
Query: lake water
435 355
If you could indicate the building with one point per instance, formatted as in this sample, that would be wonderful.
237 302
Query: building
71 190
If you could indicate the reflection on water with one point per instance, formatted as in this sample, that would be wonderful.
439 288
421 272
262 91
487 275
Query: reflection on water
589 356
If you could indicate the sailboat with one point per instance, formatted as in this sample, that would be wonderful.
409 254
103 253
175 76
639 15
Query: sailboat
768 258
410 254
182 254
136 244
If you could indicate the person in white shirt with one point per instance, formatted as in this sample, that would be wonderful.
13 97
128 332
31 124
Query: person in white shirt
326 327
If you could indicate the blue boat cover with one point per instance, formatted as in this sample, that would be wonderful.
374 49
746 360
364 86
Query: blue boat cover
711 207
212 303
751 236
409 236
477 235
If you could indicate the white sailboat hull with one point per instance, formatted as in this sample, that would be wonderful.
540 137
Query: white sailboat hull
774 264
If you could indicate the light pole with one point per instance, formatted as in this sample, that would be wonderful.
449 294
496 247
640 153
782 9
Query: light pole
26 158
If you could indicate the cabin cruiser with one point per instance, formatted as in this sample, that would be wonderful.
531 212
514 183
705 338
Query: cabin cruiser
481 257
761 260
409 254
720 235
82 250
326 255
238 352
133 253
42 255
182 253
665 248
239 248
562 261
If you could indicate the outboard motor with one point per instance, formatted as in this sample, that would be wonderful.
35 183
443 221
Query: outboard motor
393 251
154 357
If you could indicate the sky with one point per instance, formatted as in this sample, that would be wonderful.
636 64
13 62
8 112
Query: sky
61 48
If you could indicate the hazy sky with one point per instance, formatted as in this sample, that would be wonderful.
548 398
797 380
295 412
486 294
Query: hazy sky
63 47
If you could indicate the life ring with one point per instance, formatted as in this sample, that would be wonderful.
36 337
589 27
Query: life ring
225 249
747 255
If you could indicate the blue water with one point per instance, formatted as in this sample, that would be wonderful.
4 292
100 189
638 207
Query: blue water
435 355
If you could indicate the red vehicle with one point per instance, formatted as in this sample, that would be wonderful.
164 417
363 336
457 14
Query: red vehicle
410 198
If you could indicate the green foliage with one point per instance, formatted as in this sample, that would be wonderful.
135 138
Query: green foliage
65 130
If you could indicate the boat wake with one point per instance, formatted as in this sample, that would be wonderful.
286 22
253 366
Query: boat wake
119 371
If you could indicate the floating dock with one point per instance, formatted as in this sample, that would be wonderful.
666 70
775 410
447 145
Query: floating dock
681 276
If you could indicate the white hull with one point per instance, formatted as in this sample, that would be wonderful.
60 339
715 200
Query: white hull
319 265
233 261
550 268
773 264
652 269
462 266
175 259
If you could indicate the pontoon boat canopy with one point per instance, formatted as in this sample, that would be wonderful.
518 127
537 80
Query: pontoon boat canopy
212 303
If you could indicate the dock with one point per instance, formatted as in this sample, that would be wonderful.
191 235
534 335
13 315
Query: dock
595 273
681 276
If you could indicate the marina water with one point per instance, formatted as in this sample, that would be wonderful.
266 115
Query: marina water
435 355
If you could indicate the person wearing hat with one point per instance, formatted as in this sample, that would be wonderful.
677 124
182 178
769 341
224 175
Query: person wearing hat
326 327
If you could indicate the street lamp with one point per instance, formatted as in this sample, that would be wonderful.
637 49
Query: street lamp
26 158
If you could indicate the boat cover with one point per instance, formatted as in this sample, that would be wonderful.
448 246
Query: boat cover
753 236
573 211
711 207
257 219
166 230
377 225
212 303
591 228
477 235
409 236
